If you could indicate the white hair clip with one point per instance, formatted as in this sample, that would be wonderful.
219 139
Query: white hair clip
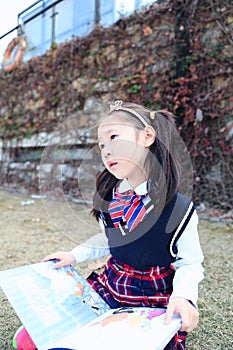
117 105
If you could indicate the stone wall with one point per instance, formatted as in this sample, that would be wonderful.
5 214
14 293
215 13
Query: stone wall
72 84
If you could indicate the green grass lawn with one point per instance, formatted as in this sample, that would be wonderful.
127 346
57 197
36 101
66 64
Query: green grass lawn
28 233
215 330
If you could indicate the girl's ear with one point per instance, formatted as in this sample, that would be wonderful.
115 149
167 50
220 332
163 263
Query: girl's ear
149 136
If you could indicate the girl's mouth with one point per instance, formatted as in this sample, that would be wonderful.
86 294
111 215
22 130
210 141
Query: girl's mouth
112 164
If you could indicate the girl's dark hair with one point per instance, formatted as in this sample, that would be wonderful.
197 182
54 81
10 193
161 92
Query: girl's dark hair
162 167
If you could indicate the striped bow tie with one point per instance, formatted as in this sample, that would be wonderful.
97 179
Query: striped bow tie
127 207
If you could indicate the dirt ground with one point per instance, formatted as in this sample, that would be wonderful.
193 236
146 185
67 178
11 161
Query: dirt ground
31 228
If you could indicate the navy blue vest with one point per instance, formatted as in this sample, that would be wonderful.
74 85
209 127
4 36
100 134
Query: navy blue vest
152 242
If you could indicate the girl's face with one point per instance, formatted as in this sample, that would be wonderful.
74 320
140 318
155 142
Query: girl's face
123 148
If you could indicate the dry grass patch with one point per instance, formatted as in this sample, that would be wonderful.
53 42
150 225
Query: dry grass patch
29 232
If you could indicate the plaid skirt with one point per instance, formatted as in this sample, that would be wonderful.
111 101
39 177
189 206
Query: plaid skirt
120 285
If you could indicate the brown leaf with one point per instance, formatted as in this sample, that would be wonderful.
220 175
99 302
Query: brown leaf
147 30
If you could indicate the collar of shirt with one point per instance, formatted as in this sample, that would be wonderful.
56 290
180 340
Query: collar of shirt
140 189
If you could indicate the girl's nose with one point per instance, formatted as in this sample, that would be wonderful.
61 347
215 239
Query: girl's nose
106 151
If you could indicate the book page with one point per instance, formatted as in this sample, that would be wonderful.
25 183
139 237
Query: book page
124 328
51 303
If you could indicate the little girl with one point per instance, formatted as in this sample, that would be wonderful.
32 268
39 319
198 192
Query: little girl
149 227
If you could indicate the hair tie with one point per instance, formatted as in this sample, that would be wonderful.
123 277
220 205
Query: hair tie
152 115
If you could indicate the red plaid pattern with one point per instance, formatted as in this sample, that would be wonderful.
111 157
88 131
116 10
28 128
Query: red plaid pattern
121 285
177 342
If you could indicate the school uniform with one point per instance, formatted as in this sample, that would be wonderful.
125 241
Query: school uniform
150 263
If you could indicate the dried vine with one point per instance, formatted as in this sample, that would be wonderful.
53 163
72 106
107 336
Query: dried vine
177 55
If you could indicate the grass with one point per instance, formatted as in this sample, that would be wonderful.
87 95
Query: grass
28 233
215 297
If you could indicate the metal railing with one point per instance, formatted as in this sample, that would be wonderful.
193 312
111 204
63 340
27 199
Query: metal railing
47 22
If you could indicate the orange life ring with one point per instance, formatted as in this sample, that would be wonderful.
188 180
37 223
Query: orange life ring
9 65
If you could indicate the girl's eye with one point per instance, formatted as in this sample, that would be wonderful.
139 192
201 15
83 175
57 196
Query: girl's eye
101 146
112 137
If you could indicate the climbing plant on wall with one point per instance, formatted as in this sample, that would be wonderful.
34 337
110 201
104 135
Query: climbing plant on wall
176 55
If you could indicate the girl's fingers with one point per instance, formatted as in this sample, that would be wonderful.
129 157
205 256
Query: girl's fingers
168 315
50 257
59 264
189 321
188 313
64 258
54 256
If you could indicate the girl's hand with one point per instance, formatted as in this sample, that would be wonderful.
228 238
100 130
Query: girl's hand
65 258
187 312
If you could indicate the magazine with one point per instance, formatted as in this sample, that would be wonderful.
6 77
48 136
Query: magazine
60 309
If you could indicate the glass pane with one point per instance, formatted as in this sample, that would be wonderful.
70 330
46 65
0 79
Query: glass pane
64 19
107 11
84 17
46 26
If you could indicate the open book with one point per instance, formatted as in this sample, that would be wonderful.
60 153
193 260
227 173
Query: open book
61 310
